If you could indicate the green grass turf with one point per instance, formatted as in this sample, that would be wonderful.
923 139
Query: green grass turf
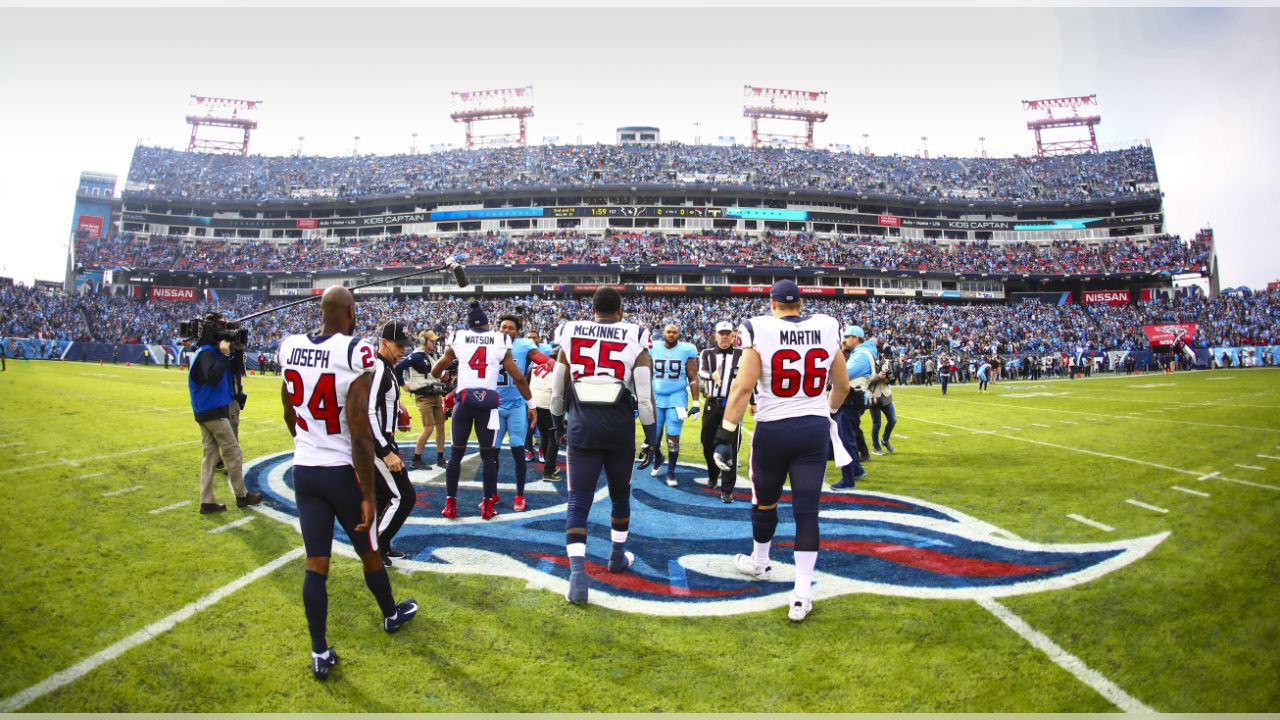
1190 627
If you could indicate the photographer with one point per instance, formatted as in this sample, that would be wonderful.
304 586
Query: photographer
209 383
237 371
414 372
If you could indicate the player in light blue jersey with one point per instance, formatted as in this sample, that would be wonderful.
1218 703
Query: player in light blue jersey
515 415
675 374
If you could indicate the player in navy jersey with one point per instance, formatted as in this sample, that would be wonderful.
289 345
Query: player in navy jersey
787 359
327 380
675 377
481 354
515 413
598 362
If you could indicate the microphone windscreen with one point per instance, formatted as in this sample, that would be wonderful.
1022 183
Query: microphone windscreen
460 274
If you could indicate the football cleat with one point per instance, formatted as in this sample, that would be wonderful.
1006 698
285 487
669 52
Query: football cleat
441 462
726 496
404 613
877 451
450 510
712 482
497 500
517 505
671 481
577 588
619 562
658 462
888 447
542 455
418 464
486 509
799 609
320 666
529 456
393 553
748 565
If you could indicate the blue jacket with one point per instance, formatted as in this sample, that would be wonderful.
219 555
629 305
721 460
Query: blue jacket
209 384
862 361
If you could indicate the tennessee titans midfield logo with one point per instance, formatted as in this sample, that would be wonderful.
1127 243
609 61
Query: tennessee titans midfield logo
684 540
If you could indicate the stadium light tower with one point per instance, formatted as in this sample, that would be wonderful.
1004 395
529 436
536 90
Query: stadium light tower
1049 122
473 106
806 106
924 146
983 142
866 143
212 112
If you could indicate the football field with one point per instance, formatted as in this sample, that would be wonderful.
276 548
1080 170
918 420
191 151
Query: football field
1058 546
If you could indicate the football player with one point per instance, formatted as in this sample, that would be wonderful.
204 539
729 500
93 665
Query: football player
515 413
325 393
675 378
481 354
788 359
598 361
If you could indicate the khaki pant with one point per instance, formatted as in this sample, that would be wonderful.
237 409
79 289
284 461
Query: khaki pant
218 438
233 417
431 407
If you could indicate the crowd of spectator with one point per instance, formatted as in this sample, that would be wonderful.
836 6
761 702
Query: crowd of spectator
903 326
1167 253
175 174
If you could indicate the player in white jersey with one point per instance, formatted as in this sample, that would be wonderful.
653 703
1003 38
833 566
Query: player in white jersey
597 362
787 359
481 353
326 408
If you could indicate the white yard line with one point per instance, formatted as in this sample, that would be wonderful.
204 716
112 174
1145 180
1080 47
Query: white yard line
108 456
1139 503
903 437
62 678
1064 659
167 508
936 432
228 526
1250 467
72 463
1189 492
1269 457
1040 425
1068 448
13 444
86 476
122 491
1121 417
34 452
1093 523
1250 484
1068 422
1209 476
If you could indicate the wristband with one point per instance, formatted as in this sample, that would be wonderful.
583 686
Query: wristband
728 426
532 405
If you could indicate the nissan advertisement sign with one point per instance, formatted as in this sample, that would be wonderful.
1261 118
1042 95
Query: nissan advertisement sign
1106 297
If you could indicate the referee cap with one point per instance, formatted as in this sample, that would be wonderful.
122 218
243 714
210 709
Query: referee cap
724 326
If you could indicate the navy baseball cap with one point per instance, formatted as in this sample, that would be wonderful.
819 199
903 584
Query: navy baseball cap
785 291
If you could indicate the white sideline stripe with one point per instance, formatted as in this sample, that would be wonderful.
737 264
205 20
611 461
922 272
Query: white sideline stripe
1269 457
1068 422
1040 425
1063 447
1064 659
62 678
903 437
167 508
1189 492
1250 484
1249 467
122 492
1153 508
1209 476
1010 427
34 452
228 526
1094 523
12 444
72 463
86 476
936 432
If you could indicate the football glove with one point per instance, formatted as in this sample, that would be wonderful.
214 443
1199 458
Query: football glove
693 412
723 454
561 430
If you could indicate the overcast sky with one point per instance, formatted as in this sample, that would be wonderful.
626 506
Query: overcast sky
78 89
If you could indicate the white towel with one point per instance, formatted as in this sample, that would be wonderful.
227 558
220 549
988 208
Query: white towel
842 456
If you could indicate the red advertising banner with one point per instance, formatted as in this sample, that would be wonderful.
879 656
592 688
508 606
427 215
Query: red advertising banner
1165 335
308 223
91 224
1110 297
889 220
805 290
750 289
179 294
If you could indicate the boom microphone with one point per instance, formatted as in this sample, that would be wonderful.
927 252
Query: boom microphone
459 272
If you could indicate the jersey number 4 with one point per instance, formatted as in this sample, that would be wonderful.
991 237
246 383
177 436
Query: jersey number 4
789 380
323 405
479 361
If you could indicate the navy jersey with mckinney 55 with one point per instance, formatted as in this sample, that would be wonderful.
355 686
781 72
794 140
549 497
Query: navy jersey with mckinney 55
787 359
598 361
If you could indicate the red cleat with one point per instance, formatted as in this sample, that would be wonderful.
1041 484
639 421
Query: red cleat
518 504
486 509
450 510
495 498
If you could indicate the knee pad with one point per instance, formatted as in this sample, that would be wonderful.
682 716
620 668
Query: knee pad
764 523
673 446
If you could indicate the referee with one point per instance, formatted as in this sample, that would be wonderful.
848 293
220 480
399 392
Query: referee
395 494
717 366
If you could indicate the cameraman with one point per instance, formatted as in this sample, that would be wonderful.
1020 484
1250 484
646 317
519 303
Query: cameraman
209 383
237 370
415 374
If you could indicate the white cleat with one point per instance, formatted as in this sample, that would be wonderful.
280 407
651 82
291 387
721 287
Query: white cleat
748 566
657 470
799 609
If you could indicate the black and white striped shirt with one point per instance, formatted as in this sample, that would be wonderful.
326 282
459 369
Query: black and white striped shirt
384 407
724 365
